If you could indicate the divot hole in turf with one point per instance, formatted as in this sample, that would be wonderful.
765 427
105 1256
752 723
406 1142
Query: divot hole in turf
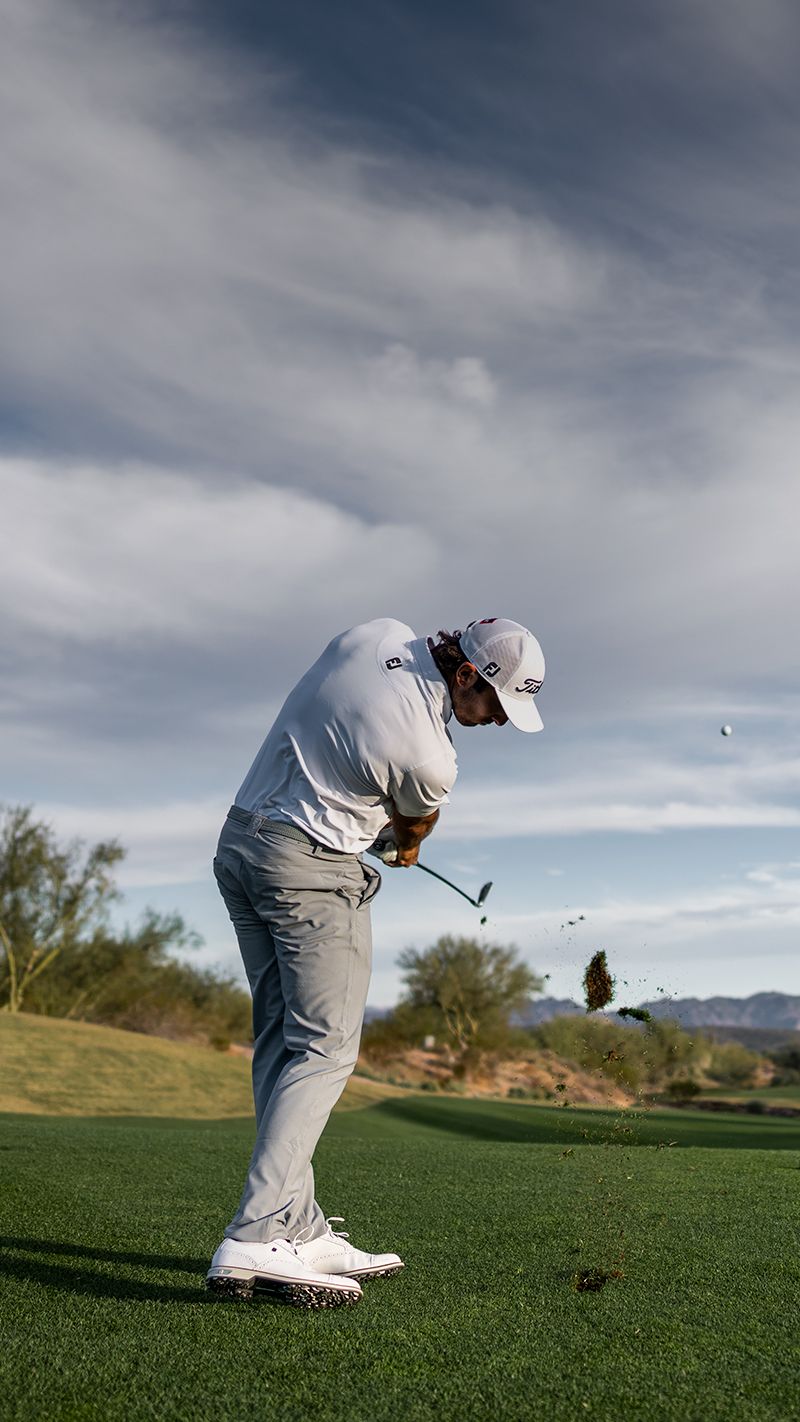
591 1281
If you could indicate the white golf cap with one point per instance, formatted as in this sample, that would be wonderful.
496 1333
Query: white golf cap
509 657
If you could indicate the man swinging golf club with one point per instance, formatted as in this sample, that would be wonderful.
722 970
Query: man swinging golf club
361 740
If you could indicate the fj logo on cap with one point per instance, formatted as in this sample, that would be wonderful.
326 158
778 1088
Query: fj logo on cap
491 669
394 662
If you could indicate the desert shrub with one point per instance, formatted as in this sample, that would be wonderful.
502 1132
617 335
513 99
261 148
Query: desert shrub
756 1108
595 1043
399 1030
575 1039
787 1064
496 1036
130 980
670 1051
682 1088
731 1064
632 1056
572 1038
788 1056
469 1062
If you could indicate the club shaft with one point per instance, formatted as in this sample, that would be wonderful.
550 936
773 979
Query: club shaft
450 885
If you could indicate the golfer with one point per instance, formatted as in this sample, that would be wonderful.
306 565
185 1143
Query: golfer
360 746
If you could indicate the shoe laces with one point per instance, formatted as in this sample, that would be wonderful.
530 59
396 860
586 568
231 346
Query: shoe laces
337 1233
302 1236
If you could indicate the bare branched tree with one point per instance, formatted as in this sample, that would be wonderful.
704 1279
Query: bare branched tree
50 898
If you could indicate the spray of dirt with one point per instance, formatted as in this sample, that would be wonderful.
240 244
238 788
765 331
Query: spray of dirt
607 1210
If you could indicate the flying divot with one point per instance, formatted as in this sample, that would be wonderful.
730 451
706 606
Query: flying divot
640 1014
598 984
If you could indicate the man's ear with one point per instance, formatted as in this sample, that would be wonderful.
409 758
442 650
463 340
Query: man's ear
467 674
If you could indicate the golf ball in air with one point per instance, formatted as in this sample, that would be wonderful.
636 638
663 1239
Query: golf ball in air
726 731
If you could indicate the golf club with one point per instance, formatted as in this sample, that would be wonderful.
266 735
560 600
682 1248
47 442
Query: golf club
482 896
386 851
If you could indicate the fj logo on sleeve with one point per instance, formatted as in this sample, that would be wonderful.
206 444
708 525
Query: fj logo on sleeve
491 669
394 662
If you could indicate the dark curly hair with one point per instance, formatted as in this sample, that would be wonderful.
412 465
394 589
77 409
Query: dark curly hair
447 653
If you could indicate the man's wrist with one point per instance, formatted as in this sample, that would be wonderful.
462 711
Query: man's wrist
408 834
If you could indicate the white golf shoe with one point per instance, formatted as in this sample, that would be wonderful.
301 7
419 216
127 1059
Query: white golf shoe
277 1269
333 1252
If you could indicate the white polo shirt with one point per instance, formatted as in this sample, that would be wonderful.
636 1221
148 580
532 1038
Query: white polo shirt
363 732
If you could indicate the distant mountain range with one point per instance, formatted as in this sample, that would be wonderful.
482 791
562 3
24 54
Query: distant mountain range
542 1009
762 1009
771 1011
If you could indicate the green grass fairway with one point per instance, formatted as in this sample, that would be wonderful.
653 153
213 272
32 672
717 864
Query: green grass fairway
770 1095
108 1226
423 1116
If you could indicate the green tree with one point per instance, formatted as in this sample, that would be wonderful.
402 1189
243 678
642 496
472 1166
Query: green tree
130 980
61 957
469 987
51 898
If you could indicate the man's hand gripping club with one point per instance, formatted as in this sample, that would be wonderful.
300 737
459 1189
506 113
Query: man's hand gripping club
399 841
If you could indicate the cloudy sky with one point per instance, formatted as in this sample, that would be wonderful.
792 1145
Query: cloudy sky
311 314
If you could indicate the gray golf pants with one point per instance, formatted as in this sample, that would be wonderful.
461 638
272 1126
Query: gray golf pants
301 915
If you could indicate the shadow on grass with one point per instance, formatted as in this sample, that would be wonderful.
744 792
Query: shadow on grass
480 1121
91 1284
550 1125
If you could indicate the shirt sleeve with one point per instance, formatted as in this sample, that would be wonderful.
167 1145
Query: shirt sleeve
419 790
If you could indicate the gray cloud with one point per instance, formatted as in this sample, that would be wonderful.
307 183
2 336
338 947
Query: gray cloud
269 379
151 555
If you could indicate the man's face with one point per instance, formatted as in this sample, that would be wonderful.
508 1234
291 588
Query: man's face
475 702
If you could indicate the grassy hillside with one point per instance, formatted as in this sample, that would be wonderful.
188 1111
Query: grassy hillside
52 1067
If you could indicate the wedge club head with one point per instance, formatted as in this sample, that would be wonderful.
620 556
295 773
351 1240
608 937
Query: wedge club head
476 903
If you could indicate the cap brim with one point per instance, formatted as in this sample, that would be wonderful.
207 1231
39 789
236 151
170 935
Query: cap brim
522 714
